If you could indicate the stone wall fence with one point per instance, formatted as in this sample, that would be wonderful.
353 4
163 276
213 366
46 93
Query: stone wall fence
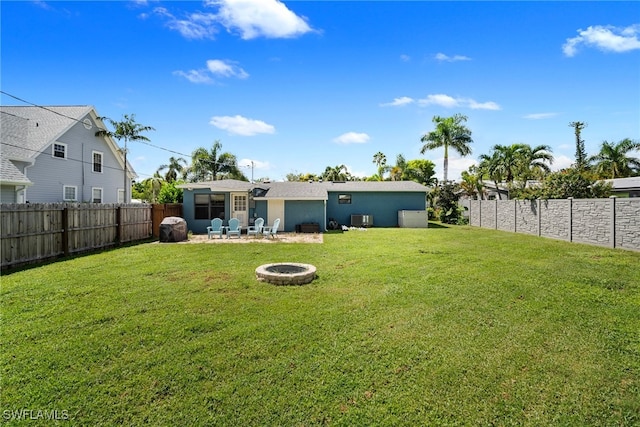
612 222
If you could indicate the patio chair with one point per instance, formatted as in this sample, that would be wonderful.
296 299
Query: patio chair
234 228
272 231
256 228
215 228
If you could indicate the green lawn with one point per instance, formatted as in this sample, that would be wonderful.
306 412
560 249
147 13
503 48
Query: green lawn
438 326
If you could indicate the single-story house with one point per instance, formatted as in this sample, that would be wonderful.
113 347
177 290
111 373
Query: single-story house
625 187
298 203
52 154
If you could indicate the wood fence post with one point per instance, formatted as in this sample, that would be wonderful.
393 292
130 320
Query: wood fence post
119 224
65 230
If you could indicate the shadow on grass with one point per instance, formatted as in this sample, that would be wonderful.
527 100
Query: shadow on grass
28 265
438 225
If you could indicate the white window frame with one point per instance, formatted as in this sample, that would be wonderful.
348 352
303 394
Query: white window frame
64 193
93 198
53 150
120 196
94 163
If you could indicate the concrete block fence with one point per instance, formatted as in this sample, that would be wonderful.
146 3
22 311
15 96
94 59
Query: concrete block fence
613 222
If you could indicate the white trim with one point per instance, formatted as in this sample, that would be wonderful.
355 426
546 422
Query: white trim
93 162
53 150
64 193
120 195
101 194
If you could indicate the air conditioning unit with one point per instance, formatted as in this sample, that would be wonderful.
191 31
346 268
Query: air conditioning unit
361 220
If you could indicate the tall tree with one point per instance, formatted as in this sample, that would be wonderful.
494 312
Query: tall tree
614 161
420 170
213 165
176 166
450 132
337 173
536 162
125 130
581 154
380 161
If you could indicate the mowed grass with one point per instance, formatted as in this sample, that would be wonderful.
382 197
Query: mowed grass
438 326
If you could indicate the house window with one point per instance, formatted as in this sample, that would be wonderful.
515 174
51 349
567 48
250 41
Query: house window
69 193
240 203
97 161
60 150
344 199
96 195
120 195
209 206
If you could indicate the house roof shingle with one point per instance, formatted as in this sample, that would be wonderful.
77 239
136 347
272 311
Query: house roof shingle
308 190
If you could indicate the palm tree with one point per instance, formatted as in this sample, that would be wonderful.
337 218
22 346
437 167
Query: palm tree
174 167
449 132
381 161
213 165
471 183
536 162
128 130
337 173
152 187
613 160
490 167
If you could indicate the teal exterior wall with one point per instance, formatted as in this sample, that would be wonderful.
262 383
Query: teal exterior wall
260 210
199 226
303 211
383 206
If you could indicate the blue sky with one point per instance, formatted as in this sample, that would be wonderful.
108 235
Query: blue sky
297 86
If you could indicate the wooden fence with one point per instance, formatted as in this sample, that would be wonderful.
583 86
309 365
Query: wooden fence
35 232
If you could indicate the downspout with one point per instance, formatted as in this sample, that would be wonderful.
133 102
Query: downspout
24 171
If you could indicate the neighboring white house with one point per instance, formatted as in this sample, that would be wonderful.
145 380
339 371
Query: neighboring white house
51 154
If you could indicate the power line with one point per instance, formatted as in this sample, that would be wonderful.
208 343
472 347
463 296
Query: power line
213 162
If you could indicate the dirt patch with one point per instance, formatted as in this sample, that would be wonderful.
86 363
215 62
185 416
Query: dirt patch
281 238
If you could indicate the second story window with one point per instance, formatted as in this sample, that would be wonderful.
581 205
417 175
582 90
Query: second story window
60 150
97 161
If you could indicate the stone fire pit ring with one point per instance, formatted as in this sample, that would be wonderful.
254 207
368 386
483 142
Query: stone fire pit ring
286 273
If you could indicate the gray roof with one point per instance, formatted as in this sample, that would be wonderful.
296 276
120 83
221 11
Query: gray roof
9 173
223 185
308 190
621 184
26 131
375 186
294 191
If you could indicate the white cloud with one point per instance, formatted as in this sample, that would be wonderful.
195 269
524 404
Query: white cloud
447 101
352 138
238 125
439 99
259 18
215 68
405 58
194 26
398 102
445 58
456 166
540 116
489 105
226 69
561 162
605 38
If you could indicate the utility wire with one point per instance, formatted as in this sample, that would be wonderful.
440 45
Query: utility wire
101 129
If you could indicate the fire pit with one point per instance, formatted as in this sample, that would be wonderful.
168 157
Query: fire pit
286 273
